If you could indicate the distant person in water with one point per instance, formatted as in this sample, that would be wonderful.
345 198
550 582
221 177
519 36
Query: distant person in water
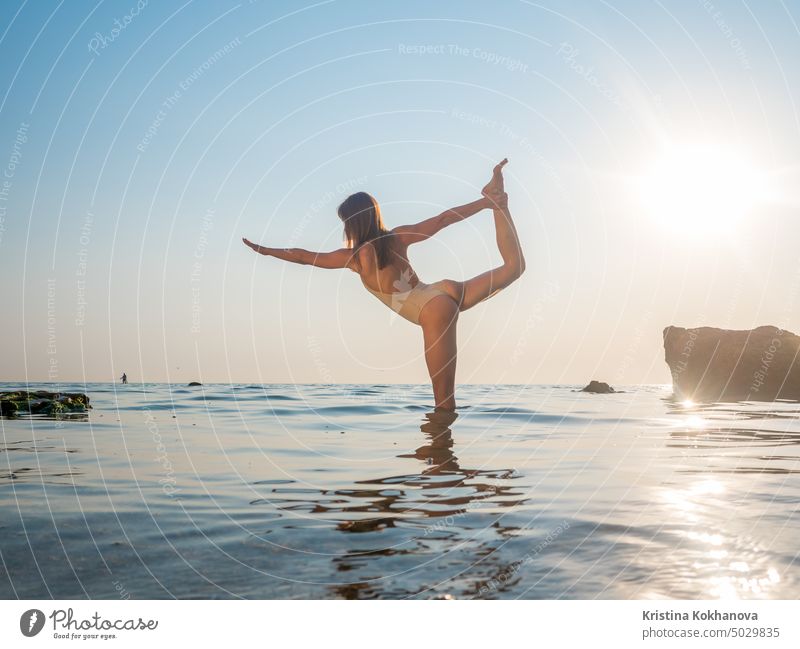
380 257
124 378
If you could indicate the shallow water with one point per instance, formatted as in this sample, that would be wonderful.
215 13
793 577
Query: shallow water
359 492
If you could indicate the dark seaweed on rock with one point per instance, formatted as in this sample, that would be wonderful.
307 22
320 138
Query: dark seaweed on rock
42 402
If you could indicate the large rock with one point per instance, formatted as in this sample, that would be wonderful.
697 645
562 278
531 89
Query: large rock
41 402
709 364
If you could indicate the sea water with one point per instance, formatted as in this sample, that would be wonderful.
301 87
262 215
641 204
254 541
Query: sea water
354 491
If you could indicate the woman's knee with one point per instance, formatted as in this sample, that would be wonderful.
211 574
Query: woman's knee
512 271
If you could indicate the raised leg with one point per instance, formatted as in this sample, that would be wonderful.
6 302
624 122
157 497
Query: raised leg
476 290
486 284
439 320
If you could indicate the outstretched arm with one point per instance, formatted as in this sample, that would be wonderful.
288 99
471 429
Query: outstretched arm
342 258
429 227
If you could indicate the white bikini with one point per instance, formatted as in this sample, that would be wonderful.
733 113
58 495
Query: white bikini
409 304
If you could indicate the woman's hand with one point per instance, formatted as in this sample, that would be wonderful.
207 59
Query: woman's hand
254 246
496 200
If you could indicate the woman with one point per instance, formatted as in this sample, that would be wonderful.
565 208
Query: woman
380 257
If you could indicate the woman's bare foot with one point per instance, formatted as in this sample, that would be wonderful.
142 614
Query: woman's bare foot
495 185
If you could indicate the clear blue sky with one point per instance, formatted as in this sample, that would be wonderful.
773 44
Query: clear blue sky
139 143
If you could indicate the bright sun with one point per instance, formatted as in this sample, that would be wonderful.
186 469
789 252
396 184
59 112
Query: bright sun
700 188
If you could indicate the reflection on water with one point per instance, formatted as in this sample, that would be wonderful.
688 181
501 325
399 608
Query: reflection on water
359 492
442 490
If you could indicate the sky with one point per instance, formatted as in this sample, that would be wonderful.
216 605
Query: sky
654 155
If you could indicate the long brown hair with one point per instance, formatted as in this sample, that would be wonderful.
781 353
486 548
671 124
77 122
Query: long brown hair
362 220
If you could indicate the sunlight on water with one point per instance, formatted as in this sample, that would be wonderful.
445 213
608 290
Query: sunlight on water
695 422
362 492
707 487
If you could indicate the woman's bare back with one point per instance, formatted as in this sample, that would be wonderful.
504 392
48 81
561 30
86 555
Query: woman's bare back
397 276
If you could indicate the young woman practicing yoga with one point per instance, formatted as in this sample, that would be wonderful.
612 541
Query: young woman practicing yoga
380 258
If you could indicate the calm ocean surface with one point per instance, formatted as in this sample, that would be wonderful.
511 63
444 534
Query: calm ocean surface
308 491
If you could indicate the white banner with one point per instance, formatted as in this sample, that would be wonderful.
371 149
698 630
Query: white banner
399 623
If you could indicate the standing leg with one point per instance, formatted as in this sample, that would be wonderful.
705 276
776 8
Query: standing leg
439 320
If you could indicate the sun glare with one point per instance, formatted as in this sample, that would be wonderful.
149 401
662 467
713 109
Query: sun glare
700 188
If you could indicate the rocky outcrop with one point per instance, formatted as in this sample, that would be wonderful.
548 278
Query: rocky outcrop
598 387
709 364
41 402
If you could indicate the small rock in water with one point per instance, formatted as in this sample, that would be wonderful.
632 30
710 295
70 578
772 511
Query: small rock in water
598 387
194 384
